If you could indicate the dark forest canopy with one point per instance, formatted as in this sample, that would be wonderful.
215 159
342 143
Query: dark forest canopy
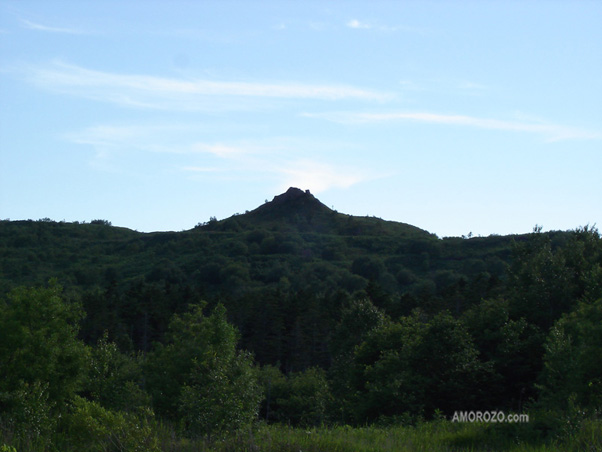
298 314
294 230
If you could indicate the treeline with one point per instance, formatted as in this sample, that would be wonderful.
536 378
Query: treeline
132 361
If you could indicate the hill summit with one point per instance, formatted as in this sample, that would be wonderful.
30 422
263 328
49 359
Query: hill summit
292 203
295 198
293 194
299 210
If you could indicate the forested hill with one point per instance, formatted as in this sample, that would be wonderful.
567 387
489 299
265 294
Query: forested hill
350 319
293 237
293 260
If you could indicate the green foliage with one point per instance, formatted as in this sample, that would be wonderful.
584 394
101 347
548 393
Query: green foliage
573 367
511 347
547 281
221 396
440 436
94 428
41 362
274 387
357 320
101 222
112 378
39 344
305 398
354 320
198 376
417 366
28 414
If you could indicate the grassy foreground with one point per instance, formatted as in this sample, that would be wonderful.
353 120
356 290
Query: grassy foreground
438 436
434 436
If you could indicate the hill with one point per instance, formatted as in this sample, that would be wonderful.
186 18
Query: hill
286 264
294 229
349 320
293 244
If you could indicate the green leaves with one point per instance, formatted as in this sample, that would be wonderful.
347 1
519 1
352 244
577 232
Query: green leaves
572 364
200 378
96 429
38 342
113 378
220 396
417 366
42 363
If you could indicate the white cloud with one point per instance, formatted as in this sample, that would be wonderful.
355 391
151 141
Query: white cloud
274 159
354 23
162 138
152 92
359 25
143 137
39 27
317 176
552 132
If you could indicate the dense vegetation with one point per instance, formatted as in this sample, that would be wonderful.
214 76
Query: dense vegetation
296 315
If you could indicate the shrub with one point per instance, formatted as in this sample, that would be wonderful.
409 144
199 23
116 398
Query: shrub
94 428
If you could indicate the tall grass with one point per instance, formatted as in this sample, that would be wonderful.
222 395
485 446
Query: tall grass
435 436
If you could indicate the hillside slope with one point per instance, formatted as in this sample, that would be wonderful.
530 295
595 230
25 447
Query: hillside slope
289 271
293 231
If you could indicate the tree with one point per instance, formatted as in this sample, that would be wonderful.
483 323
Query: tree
300 399
113 378
358 320
200 377
42 362
513 349
547 280
306 399
38 342
572 365
414 367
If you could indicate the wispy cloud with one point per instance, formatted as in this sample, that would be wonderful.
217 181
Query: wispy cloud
274 161
552 132
117 137
443 86
163 138
317 176
40 27
278 159
354 23
363 25
153 92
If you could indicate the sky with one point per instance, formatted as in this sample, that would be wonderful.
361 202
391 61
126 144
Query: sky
457 117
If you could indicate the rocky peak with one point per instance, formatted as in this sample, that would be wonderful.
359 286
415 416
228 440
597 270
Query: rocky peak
292 194
293 202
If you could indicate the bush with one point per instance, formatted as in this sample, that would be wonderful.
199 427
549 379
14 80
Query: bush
199 378
27 413
93 428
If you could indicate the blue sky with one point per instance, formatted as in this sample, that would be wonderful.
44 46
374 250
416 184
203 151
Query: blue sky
456 117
